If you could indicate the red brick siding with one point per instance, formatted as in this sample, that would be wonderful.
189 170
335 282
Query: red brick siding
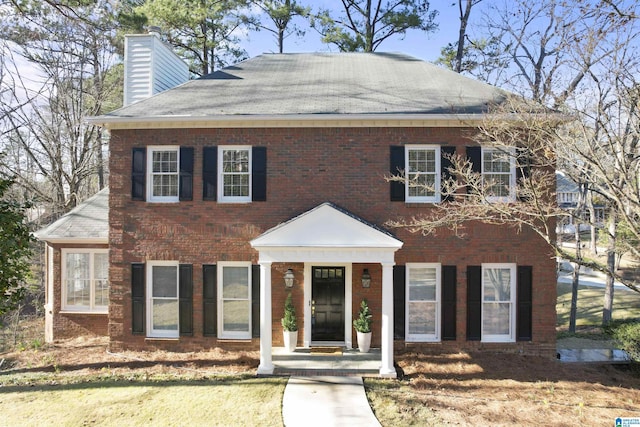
306 167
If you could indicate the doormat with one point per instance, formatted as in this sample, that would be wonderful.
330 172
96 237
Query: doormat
327 350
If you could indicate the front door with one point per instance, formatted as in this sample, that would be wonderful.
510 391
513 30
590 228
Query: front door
327 304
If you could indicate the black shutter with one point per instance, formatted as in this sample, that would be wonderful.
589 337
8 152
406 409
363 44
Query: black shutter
524 304
137 299
445 164
138 173
255 301
186 173
185 286
474 302
523 168
474 155
259 174
399 303
449 283
209 173
209 300
397 165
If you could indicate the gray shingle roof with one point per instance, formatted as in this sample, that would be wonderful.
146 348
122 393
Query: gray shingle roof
322 83
88 221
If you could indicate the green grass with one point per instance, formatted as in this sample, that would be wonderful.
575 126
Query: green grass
233 401
626 305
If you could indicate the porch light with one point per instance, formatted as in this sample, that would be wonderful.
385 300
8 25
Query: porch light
288 279
366 278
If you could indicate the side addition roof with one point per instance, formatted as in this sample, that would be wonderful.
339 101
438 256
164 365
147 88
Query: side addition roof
86 223
318 86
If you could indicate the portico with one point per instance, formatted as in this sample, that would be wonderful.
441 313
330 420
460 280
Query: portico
330 237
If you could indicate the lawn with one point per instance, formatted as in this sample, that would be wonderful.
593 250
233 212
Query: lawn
77 382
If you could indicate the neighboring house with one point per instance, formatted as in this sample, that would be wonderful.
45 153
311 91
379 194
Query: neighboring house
568 196
222 185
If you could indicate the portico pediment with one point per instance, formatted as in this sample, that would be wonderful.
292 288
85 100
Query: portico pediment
326 226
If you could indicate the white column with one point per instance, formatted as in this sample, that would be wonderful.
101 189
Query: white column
266 364
387 369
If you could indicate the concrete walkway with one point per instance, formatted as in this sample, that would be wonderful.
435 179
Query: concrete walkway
326 401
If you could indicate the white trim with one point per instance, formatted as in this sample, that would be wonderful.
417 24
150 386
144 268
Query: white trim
348 300
222 334
438 179
76 240
220 178
92 308
294 121
510 337
153 333
149 175
512 174
435 337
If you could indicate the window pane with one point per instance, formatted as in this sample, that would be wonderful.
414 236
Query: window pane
495 318
165 185
422 185
422 284
235 282
101 279
236 316
235 161
165 281
496 284
165 161
236 185
422 318
165 315
78 279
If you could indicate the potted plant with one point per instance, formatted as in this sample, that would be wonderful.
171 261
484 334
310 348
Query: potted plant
362 325
290 325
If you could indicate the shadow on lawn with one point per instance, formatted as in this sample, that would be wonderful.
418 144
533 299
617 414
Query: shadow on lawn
249 363
103 382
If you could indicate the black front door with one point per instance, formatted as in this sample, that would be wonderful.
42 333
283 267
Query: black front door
327 306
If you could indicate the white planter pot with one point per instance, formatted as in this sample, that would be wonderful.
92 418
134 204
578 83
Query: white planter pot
364 341
290 340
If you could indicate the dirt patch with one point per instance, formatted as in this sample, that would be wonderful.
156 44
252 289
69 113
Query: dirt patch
506 389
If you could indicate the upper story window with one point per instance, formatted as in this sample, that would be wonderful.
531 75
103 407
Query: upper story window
499 174
163 173
235 173
422 170
85 280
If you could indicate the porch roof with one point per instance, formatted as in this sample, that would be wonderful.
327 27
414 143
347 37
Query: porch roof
86 223
327 233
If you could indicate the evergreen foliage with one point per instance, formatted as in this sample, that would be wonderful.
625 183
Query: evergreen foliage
289 322
363 322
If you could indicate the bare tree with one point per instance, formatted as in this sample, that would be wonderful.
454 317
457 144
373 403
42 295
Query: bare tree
61 71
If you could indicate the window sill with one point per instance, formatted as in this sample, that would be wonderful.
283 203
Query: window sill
162 338
234 339
83 312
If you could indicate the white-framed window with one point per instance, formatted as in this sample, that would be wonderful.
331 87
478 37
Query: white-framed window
162 300
234 166
498 302
423 297
234 301
499 174
422 166
85 280
163 173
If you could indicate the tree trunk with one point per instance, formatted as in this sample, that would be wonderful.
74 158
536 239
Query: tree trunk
607 310
464 19
573 312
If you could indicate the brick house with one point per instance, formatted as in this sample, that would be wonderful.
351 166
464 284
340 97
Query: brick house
223 185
